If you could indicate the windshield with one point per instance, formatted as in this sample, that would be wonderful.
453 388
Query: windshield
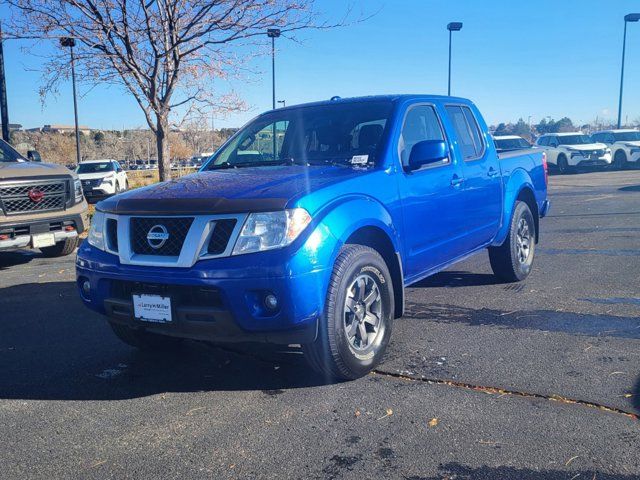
627 136
95 167
574 140
8 154
335 133
511 144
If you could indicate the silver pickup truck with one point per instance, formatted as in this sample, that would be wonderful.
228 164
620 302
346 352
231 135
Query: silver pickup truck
41 205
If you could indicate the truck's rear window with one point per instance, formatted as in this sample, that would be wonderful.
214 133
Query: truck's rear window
335 133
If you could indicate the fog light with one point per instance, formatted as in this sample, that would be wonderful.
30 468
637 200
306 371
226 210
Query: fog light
86 287
271 301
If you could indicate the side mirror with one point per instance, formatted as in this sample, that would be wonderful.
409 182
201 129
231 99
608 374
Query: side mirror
427 152
34 156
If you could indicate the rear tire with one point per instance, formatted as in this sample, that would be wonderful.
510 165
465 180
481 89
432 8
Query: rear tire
512 261
144 340
61 249
563 165
620 160
355 328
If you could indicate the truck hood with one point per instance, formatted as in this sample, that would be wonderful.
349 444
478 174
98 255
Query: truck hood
243 190
26 170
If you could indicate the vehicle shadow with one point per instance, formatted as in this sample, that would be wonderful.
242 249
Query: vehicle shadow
16 257
630 188
53 348
459 471
453 278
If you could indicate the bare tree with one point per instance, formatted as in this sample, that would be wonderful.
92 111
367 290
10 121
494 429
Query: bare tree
164 52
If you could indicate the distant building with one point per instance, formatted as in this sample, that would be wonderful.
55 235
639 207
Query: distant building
13 127
57 128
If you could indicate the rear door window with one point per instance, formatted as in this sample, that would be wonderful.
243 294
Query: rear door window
467 130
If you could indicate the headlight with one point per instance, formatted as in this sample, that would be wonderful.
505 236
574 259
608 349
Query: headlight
77 187
266 231
109 179
96 232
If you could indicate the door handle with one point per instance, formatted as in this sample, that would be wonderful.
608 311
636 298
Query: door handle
493 172
456 181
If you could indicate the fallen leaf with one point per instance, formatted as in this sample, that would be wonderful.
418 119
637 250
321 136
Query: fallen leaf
433 422
388 414
357 413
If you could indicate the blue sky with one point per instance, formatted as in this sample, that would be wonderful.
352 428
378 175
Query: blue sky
513 58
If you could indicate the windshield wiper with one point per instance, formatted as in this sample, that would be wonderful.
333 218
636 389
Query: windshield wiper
269 163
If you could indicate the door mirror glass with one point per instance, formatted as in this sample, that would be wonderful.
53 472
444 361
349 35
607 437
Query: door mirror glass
428 152
34 156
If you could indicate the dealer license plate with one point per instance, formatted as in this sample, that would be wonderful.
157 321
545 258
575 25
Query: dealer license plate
152 308
43 240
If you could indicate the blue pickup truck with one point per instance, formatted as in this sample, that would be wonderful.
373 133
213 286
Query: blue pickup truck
306 226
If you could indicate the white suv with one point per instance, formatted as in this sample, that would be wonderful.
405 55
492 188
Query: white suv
566 151
102 178
624 145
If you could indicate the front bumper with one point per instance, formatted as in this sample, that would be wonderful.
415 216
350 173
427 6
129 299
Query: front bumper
20 233
215 300
581 161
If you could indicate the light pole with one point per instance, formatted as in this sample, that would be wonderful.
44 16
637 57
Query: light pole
632 17
71 42
273 33
452 27
4 109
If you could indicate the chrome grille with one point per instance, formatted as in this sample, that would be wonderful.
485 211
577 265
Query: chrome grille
21 197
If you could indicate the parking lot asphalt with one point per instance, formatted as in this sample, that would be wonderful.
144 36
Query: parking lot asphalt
483 380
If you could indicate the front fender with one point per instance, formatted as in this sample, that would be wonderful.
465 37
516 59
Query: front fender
332 227
518 181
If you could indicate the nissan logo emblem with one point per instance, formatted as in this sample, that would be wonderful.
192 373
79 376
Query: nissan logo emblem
157 236
36 195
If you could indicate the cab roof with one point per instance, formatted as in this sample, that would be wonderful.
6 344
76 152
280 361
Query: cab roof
378 98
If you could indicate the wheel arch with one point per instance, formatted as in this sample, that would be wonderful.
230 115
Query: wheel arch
376 238
519 188
527 196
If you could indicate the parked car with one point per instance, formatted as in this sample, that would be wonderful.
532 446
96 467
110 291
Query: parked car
102 178
506 143
41 205
624 145
314 245
568 151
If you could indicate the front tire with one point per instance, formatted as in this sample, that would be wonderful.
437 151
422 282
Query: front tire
512 261
355 328
61 249
144 340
